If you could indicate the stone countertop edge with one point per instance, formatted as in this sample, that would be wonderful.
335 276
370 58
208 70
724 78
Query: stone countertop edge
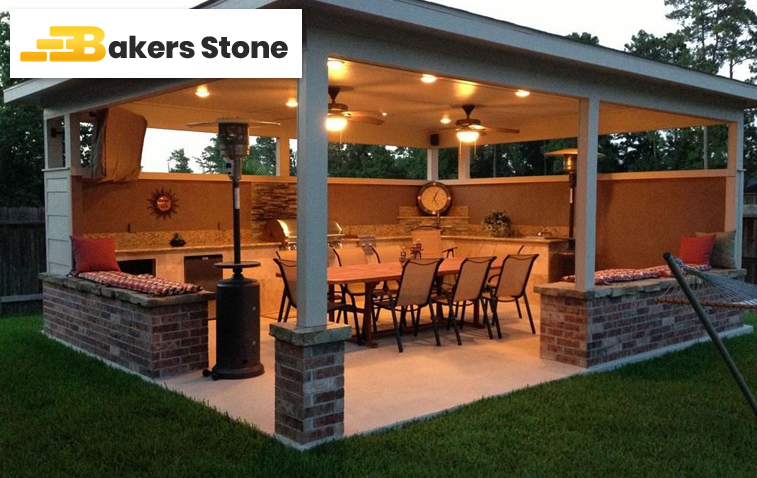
305 336
206 247
133 297
619 289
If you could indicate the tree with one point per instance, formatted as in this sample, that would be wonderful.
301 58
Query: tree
261 160
21 139
180 161
584 37
376 161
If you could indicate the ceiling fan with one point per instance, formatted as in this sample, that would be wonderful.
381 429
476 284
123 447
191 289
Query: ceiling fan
470 129
340 113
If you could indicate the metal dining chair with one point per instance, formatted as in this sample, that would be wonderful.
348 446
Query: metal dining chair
386 254
510 286
288 255
416 286
468 288
350 256
288 271
430 238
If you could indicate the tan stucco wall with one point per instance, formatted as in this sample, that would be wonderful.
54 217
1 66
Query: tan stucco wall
637 220
203 205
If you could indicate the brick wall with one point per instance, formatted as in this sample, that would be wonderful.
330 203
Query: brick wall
309 391
156 341
591 332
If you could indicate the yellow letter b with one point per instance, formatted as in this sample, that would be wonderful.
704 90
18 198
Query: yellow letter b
79 43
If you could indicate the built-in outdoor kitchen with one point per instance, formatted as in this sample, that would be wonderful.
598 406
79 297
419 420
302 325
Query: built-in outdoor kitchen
145 242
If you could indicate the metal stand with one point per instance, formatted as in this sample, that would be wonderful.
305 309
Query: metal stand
710 330
237 298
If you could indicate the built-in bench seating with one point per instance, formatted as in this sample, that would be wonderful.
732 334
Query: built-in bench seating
620 320
156 337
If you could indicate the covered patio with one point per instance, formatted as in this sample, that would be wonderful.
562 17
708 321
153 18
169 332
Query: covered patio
382 56
384 388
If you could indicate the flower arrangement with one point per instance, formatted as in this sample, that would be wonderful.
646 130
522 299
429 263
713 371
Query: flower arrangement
498 224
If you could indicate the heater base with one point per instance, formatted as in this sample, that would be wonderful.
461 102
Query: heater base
221 373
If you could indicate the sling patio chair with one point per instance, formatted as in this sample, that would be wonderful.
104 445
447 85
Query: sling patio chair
510 286
288 271
386 254
468 288
288 255
350 256
430 238
416 286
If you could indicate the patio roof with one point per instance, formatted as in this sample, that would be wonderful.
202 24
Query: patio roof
470 32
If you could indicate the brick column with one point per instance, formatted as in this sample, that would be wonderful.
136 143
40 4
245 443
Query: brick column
309 383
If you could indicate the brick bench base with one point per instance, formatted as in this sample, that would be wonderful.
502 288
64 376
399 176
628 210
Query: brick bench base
612 323
155 337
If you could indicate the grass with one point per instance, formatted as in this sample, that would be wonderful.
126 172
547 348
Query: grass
63 414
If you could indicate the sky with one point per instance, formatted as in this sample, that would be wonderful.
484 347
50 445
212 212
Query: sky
613 21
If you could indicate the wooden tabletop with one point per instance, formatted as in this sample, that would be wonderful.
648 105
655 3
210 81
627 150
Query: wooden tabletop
372 273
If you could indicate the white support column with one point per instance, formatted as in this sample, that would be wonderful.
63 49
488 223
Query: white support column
432 164
586 193
54 143
734 190
463 162
282 156
312 186
73 142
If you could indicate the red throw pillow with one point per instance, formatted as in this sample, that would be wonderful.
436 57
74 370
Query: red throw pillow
696 250
93 255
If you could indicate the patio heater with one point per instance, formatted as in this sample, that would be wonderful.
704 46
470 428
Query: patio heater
570 157
570 161
237 298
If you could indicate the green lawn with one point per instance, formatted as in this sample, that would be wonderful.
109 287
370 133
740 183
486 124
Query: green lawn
64 414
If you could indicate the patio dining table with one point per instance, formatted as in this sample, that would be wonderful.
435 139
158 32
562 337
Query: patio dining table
373 274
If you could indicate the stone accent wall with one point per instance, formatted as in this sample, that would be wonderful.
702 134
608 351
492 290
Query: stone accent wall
157 341
272 201
589 332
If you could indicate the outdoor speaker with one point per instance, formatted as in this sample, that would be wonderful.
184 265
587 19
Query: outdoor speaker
434 139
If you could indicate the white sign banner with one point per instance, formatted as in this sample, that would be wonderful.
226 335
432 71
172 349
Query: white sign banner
161 43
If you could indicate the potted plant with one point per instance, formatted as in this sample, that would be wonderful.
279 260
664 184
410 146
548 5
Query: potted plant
498 224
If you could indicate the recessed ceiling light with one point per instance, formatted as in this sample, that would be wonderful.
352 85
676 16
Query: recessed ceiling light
428 79
335 64
384 113
202 91
522 93
292 103
445 120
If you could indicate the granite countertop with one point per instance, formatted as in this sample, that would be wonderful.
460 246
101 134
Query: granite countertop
619 289
200 248
527 239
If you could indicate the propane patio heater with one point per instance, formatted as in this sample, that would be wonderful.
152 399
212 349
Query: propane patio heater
570 160
237 298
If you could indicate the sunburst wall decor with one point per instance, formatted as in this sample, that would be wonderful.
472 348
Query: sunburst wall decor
163 203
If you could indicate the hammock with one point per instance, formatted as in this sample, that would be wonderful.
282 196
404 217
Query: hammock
702 289
712 290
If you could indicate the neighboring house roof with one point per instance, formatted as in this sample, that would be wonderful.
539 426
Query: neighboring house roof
440 20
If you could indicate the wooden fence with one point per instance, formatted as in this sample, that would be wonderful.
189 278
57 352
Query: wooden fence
22 258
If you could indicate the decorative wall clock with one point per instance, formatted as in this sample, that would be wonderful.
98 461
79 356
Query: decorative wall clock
163 203
434 198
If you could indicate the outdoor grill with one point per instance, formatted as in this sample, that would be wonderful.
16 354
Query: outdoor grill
284 231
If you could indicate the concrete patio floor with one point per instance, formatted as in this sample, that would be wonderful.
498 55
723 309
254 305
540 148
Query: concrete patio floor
384 387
